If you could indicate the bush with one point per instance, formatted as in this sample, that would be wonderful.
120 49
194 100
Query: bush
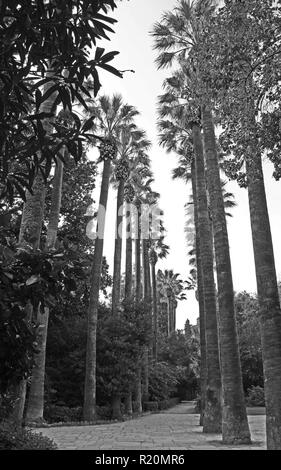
255 396
104 412
150 406
173 402
16 438
62 414
163 380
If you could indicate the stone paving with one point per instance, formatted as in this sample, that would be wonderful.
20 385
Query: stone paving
173 429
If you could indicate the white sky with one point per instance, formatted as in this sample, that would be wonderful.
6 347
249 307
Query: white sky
132 39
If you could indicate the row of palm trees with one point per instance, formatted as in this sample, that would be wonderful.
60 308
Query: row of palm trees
186 126
123 151
124 154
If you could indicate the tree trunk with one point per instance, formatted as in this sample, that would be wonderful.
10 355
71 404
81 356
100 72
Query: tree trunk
174 315
155 311
89 408
200 297
118 250
128 288
128 404
55 204
235 428
116 399
269 303
168 316
31 227
138 390
18 394
116 407
35 405
138 255
146 374
129 258
147 298
212 414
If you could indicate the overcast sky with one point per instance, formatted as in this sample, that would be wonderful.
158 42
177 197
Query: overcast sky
132 39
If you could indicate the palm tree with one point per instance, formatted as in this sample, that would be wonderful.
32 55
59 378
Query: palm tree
139 174
244 127
173 289
111 114
212 411
149 198
131 141
176 36
141 181
158 250
181 133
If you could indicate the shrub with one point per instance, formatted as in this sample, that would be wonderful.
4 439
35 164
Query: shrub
16 438
150 406
255 396
62 414
163 404
104 412
163 381
173 401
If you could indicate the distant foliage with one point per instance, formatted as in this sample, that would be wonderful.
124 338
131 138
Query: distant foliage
255 396
247 314
120 342
163 381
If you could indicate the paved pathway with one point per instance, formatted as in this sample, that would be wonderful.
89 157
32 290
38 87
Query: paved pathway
173 429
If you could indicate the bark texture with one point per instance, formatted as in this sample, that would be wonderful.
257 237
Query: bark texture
200 298
269 302
235 428
118 250
35 405
89 408
212 414
129 257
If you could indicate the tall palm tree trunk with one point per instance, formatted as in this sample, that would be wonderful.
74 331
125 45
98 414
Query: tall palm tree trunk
116 398
35 405
138 255
138 390
155 311
212 413
168 316
200 298
129 256
118 250
269 303
235 428
89 408
147 298
129 286
174 315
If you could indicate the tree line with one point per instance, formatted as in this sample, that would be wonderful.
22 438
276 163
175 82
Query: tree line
226 63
